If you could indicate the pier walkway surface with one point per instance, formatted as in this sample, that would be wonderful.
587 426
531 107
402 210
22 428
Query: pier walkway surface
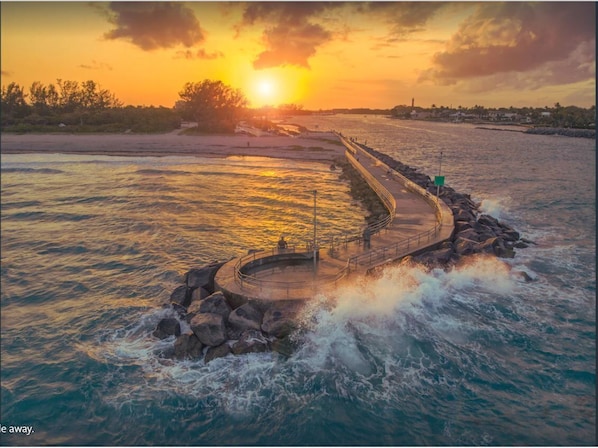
417 221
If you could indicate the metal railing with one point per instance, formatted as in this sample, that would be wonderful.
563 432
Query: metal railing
364 261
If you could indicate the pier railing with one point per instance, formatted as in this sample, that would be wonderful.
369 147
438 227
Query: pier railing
366 260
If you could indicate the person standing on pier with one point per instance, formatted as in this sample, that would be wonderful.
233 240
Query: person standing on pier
282 244
367 237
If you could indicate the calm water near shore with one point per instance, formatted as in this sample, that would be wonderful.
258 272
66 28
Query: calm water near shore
92 246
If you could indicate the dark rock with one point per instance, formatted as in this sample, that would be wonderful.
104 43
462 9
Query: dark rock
285 346
510 235
198 294
488 246
216 304
460 226
181 295
469 234
525 240
464 246
525 276
202 277
520 245
167 327
435 258
179 309
246 317
209 328
251 341
187 345
488 220
219 351
279 320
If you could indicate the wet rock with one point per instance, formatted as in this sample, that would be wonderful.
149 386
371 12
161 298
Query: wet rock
167 327
469 234
209 328
216 304
285 346
219 351
279 320
251 341
435 258
460 226
179 309
520 245
181 295
246 317
188 345
464 246
198 294
202 277
525 276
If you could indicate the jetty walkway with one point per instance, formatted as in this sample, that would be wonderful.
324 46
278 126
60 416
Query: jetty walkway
416 222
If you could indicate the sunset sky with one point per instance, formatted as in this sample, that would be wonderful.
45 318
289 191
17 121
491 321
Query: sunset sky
319 55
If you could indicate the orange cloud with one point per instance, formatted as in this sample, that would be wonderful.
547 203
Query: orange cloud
291 37
152 25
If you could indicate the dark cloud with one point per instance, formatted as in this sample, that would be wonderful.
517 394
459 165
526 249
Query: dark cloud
404 17
292 34
152 25
291 45
520 37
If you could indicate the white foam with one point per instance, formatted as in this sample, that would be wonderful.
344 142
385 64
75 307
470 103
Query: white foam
495 207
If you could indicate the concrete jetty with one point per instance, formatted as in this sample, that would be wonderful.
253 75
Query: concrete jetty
417 221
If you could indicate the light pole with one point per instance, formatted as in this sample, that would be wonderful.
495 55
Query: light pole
315 233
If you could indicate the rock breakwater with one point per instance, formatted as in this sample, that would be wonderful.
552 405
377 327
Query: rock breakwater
205 324
475 232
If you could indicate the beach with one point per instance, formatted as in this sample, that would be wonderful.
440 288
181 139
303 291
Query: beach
315 146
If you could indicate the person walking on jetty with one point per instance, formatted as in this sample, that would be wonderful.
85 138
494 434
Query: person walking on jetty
282 244
367 237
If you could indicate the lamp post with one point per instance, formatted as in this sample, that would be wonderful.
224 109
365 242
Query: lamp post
315 233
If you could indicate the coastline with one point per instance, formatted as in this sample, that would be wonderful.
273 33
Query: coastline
311 146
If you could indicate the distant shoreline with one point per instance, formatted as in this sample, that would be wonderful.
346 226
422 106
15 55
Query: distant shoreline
315 146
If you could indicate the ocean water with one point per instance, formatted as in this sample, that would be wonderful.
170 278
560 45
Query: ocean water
93 246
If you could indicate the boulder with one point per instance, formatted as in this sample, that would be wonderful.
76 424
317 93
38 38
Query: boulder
246 317
202 277
181 295
464 246
279 320
209 328
198 294
468 234
167 327
489 246
510 235
219 351
488 220
285 346
187 345
436 258
460 226
251 341
179 309
215 304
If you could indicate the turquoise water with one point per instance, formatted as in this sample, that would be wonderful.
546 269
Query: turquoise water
93 246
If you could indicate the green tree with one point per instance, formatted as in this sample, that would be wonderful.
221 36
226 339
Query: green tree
13 103
215 106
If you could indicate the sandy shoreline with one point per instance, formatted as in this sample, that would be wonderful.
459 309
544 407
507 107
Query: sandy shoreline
316 146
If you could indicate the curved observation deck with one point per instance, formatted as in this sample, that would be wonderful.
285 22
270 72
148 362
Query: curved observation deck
416 222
